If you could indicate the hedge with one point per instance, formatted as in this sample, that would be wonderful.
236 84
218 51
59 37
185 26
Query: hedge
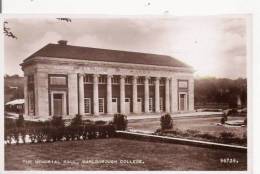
50 133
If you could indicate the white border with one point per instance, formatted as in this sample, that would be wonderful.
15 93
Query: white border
165 8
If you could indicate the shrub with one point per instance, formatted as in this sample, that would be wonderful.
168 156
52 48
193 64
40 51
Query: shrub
166 122
57 122
100 122
20 121
222 120
227 137
192 132
120 121
77 121
245 121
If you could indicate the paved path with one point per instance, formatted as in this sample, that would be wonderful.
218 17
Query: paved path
130 117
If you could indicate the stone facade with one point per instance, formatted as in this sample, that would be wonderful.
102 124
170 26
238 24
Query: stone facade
163 88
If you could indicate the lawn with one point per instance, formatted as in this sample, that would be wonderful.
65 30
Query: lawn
202 124
151 156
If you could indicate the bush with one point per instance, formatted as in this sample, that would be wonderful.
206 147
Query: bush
120 121
227 137
222 120
166 122
100 122
20 121
245 121
77 121
57 122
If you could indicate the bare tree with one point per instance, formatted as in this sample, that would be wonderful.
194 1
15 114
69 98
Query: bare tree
8 33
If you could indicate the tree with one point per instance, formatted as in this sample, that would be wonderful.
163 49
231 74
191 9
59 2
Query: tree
8 33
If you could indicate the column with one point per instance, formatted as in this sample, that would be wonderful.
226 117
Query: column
81 94
135 94
41 94
25 95
191 94
146 95
95 94
73 98
167 95
173 92
157 94
109 94
122 94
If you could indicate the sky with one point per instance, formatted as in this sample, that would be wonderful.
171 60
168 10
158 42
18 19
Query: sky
214 46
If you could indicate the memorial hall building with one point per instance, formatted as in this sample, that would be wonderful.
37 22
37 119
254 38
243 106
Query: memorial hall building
65 80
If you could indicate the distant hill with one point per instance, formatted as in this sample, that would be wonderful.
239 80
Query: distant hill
13 87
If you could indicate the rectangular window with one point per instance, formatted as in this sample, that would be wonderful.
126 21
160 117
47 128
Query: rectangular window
162 82
127 100
102 79
161 104
150 104
115 80
87 104
88 78
128 80
140 80
139 100
183 84
58 80
101 105
151 81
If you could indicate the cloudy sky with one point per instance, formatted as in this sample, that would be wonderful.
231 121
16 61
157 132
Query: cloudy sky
213 45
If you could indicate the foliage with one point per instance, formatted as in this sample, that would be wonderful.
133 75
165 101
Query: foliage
224 137
245 121
20 121
57 122
166 122
7 31
220 90
77 120
120 121
54 130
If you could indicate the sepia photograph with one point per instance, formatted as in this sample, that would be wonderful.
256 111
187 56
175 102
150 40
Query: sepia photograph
126 93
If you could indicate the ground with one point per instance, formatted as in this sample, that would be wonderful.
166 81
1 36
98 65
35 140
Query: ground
203 124
153 156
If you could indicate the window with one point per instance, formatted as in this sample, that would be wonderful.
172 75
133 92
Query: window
114 100
140 80
161 104
151 81
150 104
128 80
183 84
162 82
87 105
101 105
58 80
102 79
139 100
127 100
115 80
88 78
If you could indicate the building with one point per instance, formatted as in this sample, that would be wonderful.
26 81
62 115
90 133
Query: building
16 105
65 80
